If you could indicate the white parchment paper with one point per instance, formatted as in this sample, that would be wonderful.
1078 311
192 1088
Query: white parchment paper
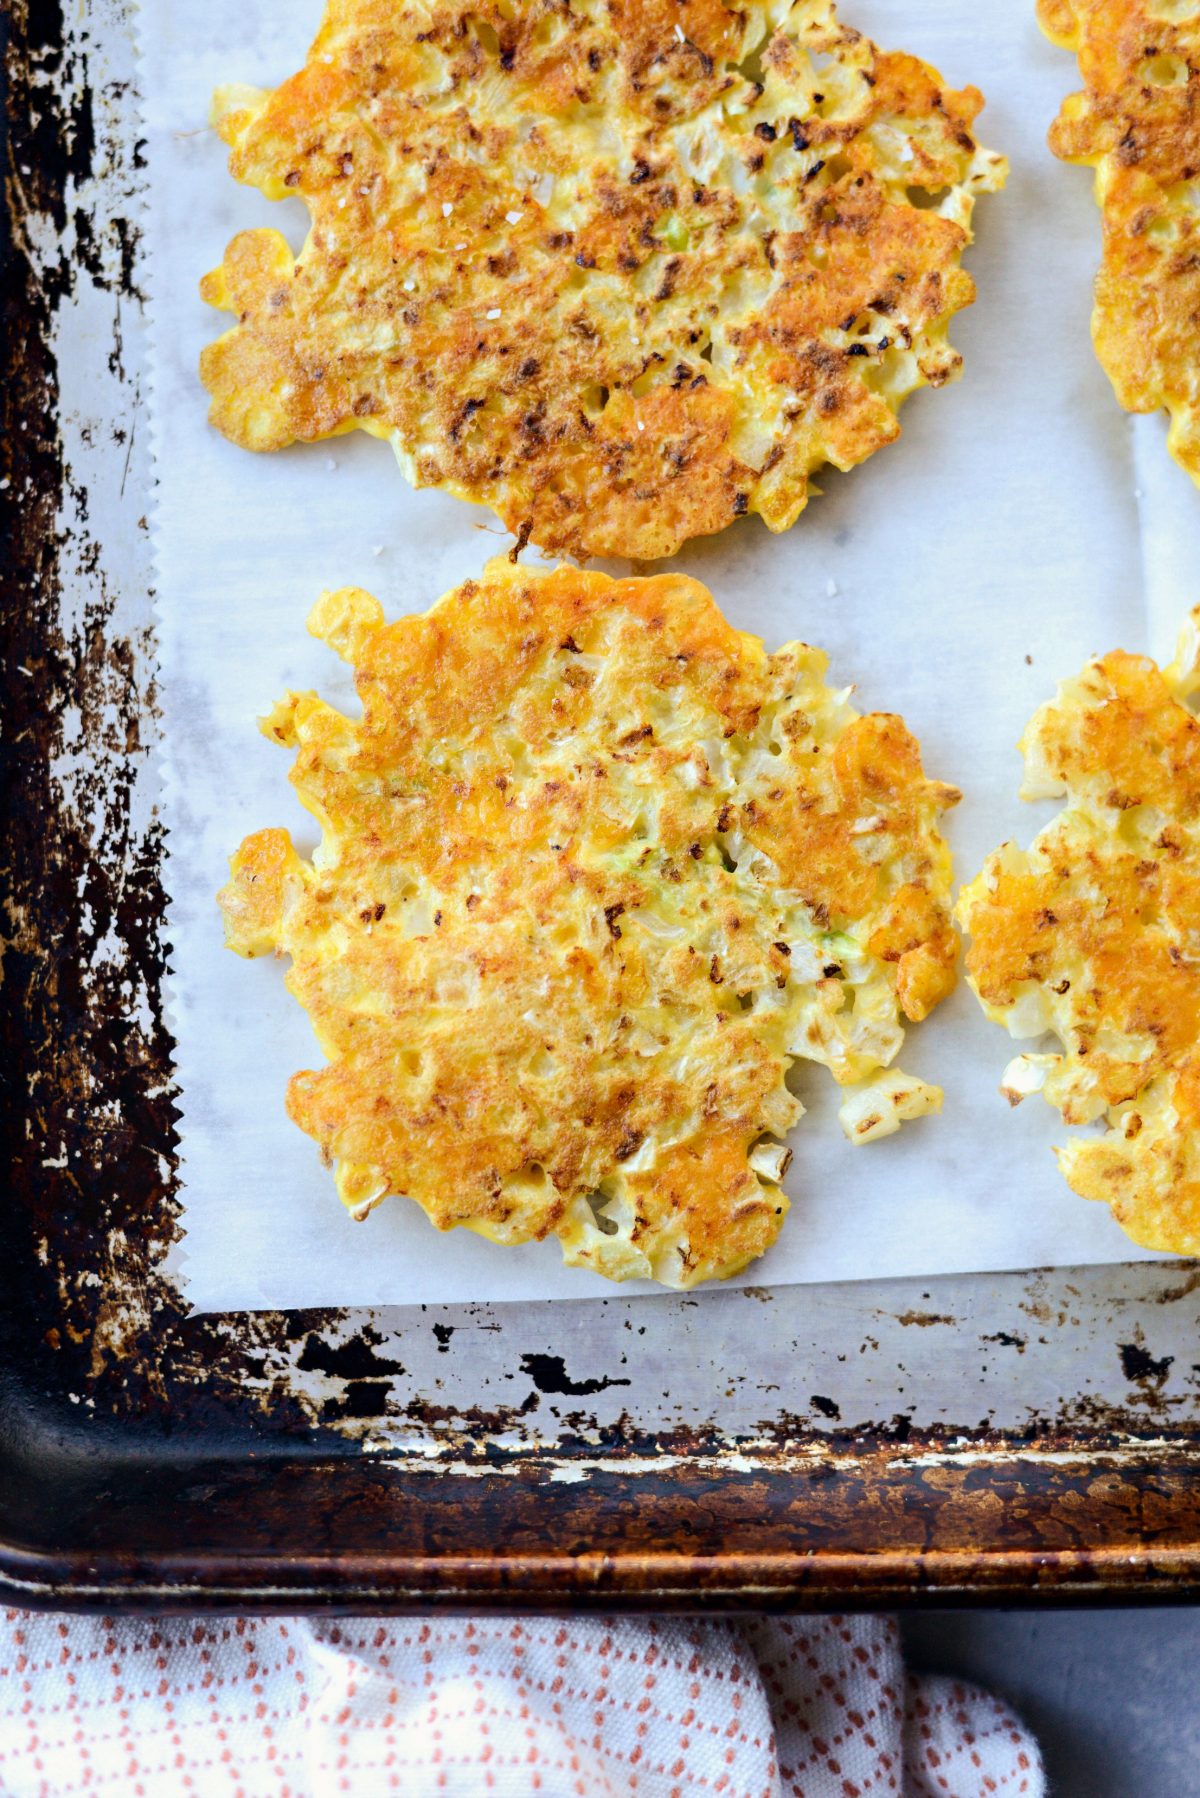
1021 525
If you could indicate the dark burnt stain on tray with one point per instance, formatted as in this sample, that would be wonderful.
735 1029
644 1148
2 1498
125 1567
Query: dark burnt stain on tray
549 1374
284 1460
1139 1364
71 1045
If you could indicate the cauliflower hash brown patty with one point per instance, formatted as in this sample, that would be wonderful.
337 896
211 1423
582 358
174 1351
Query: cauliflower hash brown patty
620 271
595 870
1137 123
1093 933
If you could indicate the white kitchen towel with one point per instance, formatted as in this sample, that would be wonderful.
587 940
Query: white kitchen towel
589 1708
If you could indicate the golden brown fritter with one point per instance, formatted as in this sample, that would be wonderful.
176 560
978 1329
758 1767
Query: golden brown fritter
595 870
1137 123
1093 933
622 272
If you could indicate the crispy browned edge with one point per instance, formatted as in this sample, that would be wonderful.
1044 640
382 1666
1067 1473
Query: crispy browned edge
189 1477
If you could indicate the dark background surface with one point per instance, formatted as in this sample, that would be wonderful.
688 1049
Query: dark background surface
1113 1696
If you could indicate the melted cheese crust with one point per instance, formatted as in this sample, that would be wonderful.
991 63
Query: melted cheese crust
1093 934
595 870
621 272
1137 123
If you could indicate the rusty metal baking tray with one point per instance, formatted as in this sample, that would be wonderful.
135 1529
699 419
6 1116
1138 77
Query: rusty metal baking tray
1021 1437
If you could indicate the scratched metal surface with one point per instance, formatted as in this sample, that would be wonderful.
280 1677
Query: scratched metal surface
1033 1435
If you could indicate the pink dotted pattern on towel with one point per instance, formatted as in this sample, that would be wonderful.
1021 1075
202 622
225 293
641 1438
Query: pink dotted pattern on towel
587 1708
